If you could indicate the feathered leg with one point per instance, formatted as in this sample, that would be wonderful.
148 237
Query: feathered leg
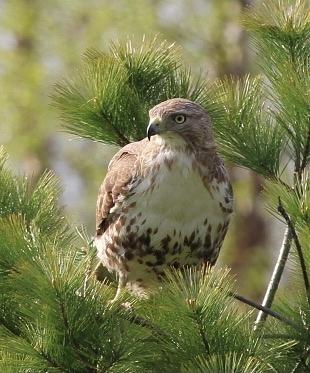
122 281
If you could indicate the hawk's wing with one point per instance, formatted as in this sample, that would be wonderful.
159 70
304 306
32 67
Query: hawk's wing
122 171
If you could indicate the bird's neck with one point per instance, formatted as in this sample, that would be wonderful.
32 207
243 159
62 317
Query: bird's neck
202 156
177 143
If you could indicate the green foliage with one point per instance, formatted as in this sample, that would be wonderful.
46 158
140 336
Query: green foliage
109 99
49 320
245 130
254 122
281 34
205 330
54 316
295 201
35 204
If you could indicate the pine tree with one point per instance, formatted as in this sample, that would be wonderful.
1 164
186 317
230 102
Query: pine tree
55 317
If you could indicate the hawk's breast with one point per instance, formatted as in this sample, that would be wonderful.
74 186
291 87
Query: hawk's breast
181 220
171 216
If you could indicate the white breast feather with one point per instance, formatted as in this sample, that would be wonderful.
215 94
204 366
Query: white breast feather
179 200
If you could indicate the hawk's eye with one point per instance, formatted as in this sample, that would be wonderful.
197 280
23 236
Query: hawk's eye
180 118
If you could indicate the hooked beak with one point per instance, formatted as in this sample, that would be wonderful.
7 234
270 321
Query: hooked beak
153 128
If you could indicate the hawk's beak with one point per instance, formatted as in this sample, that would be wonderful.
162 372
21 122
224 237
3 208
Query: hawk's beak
153 127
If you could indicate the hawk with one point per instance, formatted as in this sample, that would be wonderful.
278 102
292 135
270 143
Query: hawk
165 201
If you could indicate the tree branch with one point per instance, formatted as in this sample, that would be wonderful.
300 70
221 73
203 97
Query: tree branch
122 138
201 331
302 361
265 310
144 323
298 248
53 363
305 153
70 334
276 277
38 351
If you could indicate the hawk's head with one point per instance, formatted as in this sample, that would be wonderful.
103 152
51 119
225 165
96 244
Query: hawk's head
179 117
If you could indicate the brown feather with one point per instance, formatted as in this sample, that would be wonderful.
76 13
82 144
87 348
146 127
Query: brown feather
122 170
164 202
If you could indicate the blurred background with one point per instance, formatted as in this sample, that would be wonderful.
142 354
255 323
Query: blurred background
42 41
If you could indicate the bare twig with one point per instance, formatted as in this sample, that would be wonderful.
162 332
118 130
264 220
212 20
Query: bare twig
298 248
265 310
276 277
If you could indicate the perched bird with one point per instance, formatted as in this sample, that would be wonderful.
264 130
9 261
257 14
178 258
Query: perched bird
166 200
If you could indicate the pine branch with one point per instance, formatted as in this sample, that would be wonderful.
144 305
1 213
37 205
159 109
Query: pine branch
84 359
200 325
54 364
42 355
122 139
275 278
298 248
281 35
280 30
144 323
265 310
12 328
245 130
305 153
302 362
108 101
293 199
